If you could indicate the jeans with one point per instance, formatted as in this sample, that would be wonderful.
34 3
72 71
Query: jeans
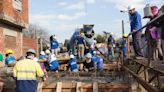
110 51
137 43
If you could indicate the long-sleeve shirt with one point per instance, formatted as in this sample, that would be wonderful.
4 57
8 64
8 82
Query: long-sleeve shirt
25 73
135 21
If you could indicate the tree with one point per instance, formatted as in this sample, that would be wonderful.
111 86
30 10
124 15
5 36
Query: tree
100 38
37 32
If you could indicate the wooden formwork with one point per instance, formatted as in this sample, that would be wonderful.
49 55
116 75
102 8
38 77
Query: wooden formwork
86 87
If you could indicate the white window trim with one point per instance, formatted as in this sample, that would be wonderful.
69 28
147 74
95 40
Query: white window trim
17 4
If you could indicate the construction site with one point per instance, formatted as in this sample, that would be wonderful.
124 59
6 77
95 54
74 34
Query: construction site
34 58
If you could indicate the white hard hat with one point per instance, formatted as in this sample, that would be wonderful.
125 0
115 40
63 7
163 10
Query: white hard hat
42 53
89 55
94 52
71 56
131 7
111 33
48 52
31 51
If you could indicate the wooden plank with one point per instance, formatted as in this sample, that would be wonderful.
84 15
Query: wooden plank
59 87
113 85
95 87
90 85
78 87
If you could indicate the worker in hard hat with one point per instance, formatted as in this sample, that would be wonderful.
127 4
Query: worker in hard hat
110 44
153 35
26 72
135 24
123 45
81 43
52 60
42 59
88 64
72 63
10 59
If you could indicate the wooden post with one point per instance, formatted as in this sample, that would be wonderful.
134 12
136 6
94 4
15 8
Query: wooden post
128 49
79 87
40 86
95 87
59 87
143 74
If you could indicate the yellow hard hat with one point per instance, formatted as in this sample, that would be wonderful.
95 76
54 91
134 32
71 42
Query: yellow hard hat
82 34
9 51
124 35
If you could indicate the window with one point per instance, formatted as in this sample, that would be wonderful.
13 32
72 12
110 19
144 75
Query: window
10 41
17 4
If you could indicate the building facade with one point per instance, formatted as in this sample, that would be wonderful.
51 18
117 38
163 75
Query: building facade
13 19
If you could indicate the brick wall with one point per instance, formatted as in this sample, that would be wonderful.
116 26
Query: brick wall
11 31
6 8
29 43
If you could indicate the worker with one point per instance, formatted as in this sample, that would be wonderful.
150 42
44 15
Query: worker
123 45
88 63
153 35
42 59
135 24
25 72
100 62
110 44
54 45
72 64
10 59
52 60
80 42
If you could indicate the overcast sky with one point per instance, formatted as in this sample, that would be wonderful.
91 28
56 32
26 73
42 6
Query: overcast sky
62 17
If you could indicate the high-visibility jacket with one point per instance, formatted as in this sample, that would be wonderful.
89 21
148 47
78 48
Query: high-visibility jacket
25 73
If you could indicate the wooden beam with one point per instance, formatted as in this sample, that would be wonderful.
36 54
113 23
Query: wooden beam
145 84
139 69
153 78
59 87
113 85
89 85
95 87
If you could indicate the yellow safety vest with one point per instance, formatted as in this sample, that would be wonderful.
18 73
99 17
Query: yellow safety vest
27 70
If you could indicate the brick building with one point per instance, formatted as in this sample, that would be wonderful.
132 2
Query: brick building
13 18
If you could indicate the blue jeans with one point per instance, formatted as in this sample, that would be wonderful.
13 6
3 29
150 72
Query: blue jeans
137 43
111 52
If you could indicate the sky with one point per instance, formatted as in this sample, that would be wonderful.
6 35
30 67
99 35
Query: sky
62 17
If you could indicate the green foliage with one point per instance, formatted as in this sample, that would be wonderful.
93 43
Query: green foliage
100 38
